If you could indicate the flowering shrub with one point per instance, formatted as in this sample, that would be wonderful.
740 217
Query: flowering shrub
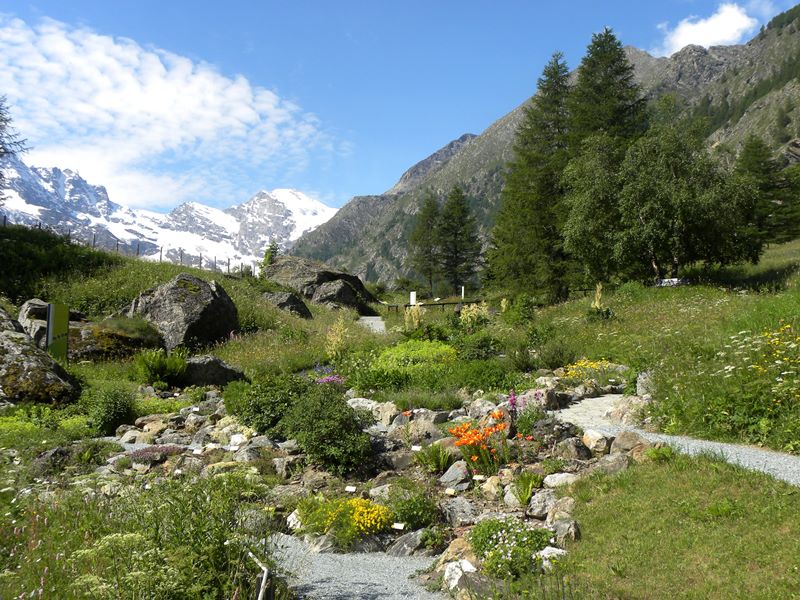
347 520
474 316
484 448
336 339
584 369
412 317
506 546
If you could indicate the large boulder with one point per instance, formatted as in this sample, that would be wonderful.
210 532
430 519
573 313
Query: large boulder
28 373
187 311
310 278
33 318
209 370
289 302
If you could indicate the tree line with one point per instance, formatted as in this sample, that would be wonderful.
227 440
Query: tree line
606 187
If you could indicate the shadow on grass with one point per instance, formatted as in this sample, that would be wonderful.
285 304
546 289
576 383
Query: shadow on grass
769 279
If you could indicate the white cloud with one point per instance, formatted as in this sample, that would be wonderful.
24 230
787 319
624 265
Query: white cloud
728 25
156 128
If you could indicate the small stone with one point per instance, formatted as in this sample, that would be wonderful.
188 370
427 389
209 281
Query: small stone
398 459
293 521
560 479
510 498
597 442
480 408
454 571
541 503
290 447
561 510
238 439
572 449
432 416
492 487
385 413
611 464
458 549
286 466
407 544
627 441
457 473
247 455
458 511
381 492
363 404
566 530
549 557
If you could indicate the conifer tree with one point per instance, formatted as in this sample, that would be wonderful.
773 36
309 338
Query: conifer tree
10 142
457 238
527 251
776 214
424 251
605 99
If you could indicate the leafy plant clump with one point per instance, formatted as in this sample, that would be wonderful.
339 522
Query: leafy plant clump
345 520
109 407
525 485
507 546
159 368
434 458
262 404
413 506
328 430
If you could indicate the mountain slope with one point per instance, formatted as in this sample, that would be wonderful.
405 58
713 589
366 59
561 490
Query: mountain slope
741 89
62 199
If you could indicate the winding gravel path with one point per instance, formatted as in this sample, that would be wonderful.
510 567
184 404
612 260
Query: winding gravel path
371 576
590 414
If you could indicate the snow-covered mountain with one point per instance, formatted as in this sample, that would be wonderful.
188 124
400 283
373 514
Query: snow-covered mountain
63 200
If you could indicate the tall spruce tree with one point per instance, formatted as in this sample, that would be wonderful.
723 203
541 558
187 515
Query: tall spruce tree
424 251
457 237
10 142
605 99
776 215
527 250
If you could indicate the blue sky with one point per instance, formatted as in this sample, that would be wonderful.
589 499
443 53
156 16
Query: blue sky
172 101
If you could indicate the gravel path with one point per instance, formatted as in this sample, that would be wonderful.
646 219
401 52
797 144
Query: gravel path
372 576
590 414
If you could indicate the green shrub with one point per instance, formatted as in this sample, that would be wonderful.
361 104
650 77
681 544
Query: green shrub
476 346
555 353
411 505
414 355
262 404
159 368
431 332
421 397
328 430
434 458
109 407
506 546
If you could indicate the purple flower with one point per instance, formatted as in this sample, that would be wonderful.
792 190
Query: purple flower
330 379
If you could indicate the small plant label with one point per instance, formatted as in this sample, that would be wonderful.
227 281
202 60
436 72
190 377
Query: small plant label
416 448
177 472
147 486
197 451
399 526
195 409
479 477
350 488
234 448
450 492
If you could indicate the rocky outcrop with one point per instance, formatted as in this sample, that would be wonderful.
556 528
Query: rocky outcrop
289 302
28 373
187 311
209 370
320 283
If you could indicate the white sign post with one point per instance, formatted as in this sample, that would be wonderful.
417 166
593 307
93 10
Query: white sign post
462 292
412 298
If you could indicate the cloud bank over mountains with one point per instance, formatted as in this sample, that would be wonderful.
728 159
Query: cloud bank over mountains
155 127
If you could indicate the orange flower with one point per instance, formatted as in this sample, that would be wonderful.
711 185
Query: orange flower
493 450
406 413
473 458
529 438
519 436
496 415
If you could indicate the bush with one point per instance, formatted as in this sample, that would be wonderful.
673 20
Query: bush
328 430
346 520
159 368
110 407
555 353
506 546
473 317
476 346
261 405
414 355
410 505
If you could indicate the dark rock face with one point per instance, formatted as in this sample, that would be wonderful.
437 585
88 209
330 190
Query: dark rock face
210 370
187 311
289 302
27 373
310 279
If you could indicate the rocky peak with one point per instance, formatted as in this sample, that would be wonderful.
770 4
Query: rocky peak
423 168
